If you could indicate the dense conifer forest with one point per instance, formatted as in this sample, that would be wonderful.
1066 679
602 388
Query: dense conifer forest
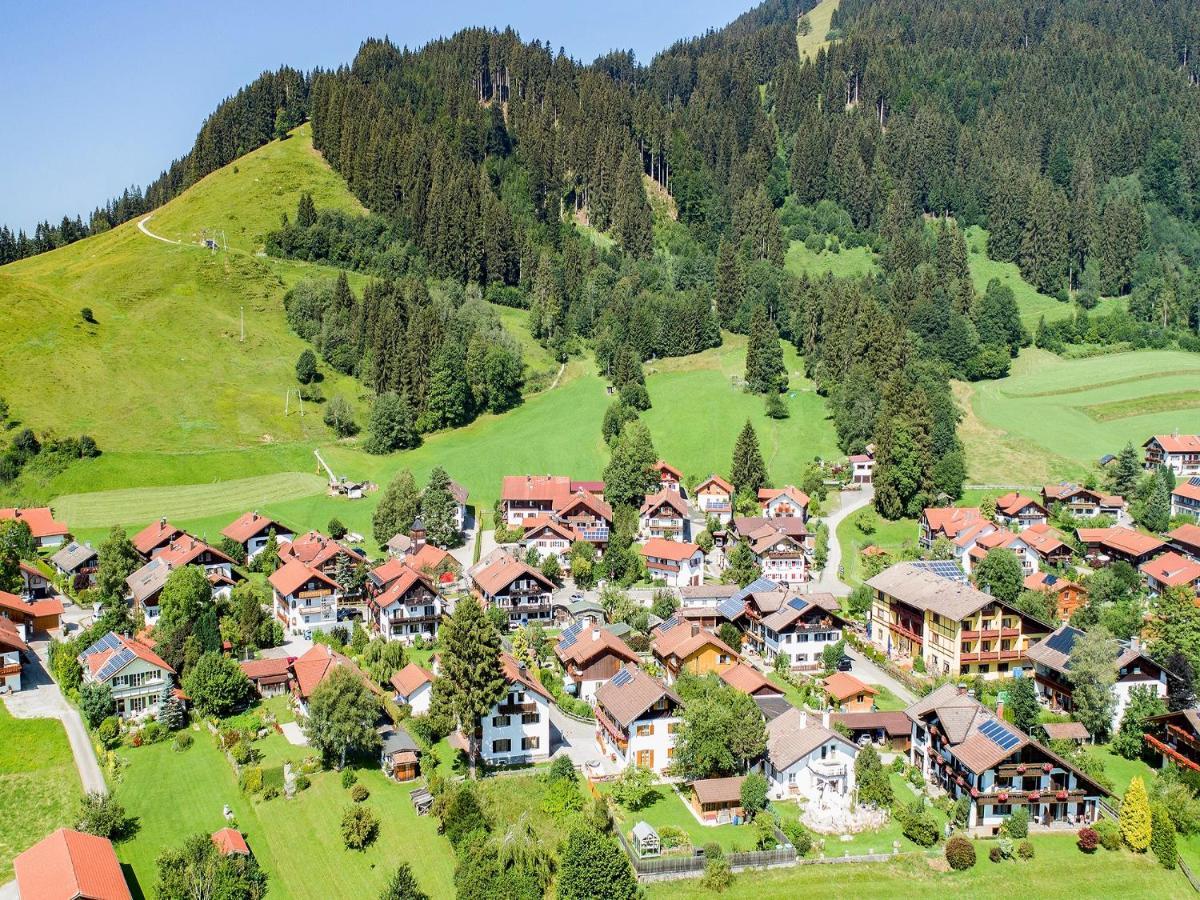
646 207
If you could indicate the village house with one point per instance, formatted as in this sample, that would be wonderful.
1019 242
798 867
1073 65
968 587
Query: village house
1081 502
12 648
705 596
891 729
781 546
1186 539
788 502
521 591
590 655
1178 452
955 628
1051 659
847 694
1185 498
230 842
314 665
1068 595
523 496
945 521
319 552
460 495
637 718
664 515
549 537
399 753
674 563
682 647
35 584
1175 736
70 865
304 600
146 584
718 801
588 517
749 680
517 729
78 563
862 468
806 758
975 542
269 675
135 673
1048 544
152 539
1118 543
45 529
800 629
1018 511
31 617
1171 570
669 478
714 498
750 605
253 530
407 606
414 688
963 748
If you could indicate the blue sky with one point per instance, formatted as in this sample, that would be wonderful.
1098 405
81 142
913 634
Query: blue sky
98 96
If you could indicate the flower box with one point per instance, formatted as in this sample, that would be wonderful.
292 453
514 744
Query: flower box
1035 796
1021 768
974 792
1002 796
1062 795
1046 767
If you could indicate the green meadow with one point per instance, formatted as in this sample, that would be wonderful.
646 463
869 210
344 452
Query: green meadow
819 18
849 262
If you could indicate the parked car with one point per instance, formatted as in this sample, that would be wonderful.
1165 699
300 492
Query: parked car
844 664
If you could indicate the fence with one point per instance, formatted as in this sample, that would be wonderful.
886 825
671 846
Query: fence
1187 873
665 866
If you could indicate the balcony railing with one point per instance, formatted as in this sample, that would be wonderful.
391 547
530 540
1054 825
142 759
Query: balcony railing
990 656
1171 753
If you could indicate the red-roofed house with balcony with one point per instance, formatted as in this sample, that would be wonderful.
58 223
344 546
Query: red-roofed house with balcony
1018 511
1068 595
788 502
1081 502
151 540
676 563
304 600
590 655
549 537
669 477
252 530
135 673
664 515
1185 498
946 521
146 584
1171 570
523 496
1118 543
521 591
974 544
1186 539
517 729
319 552
30 616
70 865
714 497
1178 452
407 608
589 516
46 530
313 666
680 646
1048 544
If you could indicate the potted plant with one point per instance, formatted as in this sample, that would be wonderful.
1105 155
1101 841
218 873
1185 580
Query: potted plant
1002 796
1021 768
974 792
1035 796
1062 795
1046 767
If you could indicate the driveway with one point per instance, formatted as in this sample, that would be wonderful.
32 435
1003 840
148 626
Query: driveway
850 502
575 740
40 698
865 670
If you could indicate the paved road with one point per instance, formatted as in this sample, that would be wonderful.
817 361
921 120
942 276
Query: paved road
40 698
851 502
867 671
576 740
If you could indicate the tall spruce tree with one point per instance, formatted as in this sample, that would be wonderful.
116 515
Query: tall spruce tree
730 287
398 507
439 509
633 220
747 472
472 679
391 425
765 371
630 473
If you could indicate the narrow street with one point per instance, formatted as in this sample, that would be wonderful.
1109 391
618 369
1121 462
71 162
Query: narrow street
851 502
867 671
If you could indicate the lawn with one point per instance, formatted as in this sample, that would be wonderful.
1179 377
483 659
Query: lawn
39 786
849 262
297 841
898 538
668 808
819 18
1121 770
1058 863
1005 433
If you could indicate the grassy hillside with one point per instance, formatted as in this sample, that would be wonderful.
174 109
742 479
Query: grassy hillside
819 17
849 262
1055 417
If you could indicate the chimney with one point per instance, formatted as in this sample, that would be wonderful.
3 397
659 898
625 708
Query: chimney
825 717
695 629
595 634
1000 710
804 718
162 523
962 689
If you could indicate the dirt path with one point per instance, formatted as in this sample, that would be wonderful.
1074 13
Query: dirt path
146 231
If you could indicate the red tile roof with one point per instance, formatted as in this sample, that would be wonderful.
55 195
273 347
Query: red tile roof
410 678
1186 534
504 571
842 686
552 489
950 520
249 524
315 549
590 643
10 638
661 548
50 606
1125 540
749 680
310 669
291 575
154 535
430 557
267 671
185 548
70 864
1043 539
665 497
665 468
1172 569
1041 581
1187 490
400 586
1013 502
683 639
140 650
715 481
766 495
589 501
230 841
40 520
1177 443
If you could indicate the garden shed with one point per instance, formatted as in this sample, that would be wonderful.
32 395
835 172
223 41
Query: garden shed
718 801
645 840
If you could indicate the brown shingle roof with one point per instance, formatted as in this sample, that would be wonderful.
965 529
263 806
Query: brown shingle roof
894 722
504 571
410 678
515 673
1066 731
794 735
627 701
590 643
749 680
719 790
923 590
665 497
247 525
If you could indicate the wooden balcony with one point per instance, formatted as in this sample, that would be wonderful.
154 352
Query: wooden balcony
990 656
10 670
990 634
1171 753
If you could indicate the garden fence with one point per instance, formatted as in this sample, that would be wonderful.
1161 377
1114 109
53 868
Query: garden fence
1187 873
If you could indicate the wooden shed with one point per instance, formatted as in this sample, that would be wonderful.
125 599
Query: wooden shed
718 801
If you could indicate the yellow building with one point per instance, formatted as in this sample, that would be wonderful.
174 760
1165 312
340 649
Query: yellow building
952 626
681 646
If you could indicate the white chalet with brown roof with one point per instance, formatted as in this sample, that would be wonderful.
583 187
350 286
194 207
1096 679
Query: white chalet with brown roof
414 688
304 599
252 530
1178 452
788 502
675 563
1081 502
134 673
669 477
154 537
664 515
146 584
781 546
521 591
402 602
590 655
637 719
517 729
1017 511
714 497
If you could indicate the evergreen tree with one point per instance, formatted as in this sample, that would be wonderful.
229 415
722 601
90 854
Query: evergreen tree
1044 244
731 288
1162 836
439 510
447 403
1093 668
741 567
398 507
117 559
306 367
1125 471
306 211
391 426
1135 818
403 886
1023 704
1181 689
748 472
630 474
471 674
633 220
1177 631
765 371
1157 515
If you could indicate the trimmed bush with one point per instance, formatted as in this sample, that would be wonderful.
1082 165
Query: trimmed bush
1016 826
183 741
799 836
670 836
1110 834
303 782
718 875
1025 850
109 732
1162 837
360 826
270 793
359 793
251 780
1088 840
995 855
960 853
348 778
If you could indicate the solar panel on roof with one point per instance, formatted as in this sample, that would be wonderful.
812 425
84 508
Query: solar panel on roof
670 623
108 642
622 677
798 603
115 663
731 608
1063 641
943 568
1194 481
757 585
1051 579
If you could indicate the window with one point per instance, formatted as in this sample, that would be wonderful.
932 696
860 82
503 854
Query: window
824 751
723 659
530 718
645 730
1001 809
673 727
530 743
984 669
501 721
1003 667
791 777
501 746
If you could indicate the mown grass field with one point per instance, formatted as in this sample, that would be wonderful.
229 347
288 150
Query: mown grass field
297 841
39 787
819 17
849 262
1054 418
